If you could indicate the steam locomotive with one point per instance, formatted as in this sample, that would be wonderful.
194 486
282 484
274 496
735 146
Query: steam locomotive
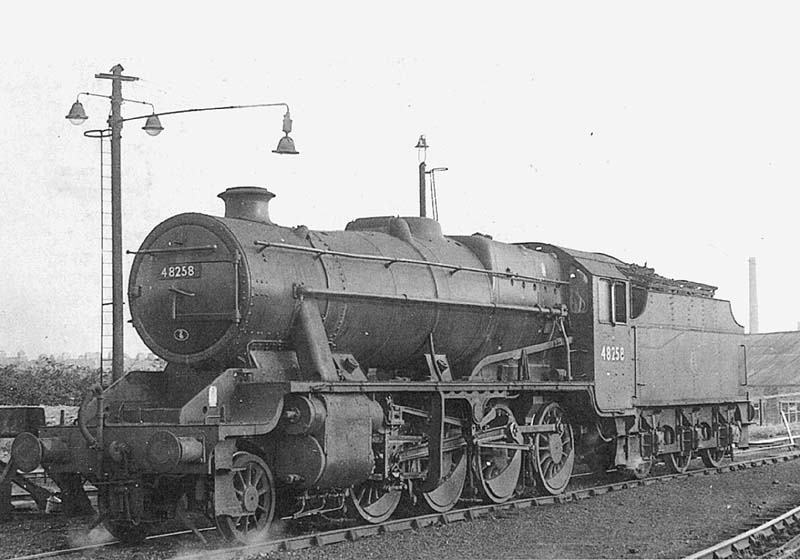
317 371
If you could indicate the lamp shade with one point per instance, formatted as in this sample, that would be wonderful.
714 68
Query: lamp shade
285 146
76 113
152 125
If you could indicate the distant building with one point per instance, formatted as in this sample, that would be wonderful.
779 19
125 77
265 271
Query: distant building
773 375
6 360
773 363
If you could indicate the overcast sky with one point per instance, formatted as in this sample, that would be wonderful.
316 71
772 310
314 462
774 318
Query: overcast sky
662 133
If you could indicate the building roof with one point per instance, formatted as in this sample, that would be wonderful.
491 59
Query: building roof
773 359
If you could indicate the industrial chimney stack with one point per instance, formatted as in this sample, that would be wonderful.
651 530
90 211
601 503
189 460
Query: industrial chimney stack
753 296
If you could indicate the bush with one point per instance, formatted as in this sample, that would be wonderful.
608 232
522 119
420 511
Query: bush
44 381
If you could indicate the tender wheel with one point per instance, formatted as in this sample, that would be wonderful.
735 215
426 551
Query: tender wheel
712 458
497 460
553 454
447 494
374 501
254 489
679 462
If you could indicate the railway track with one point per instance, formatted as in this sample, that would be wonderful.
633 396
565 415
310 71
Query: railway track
353 533
778 537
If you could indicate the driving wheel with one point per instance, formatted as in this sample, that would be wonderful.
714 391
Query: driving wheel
374 501
553 454
497 460
444 497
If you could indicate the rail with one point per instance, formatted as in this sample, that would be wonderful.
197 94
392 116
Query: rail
745 542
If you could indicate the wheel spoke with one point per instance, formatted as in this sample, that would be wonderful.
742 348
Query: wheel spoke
498 469
249 474
552 476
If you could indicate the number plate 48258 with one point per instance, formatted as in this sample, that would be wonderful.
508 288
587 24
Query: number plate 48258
175 271
612 353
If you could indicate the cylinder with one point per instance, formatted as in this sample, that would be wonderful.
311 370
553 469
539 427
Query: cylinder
302 415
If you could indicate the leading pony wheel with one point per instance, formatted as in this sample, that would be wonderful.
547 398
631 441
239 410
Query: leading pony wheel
254 489
127 531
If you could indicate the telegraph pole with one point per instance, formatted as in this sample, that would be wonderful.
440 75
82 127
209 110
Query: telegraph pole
115 123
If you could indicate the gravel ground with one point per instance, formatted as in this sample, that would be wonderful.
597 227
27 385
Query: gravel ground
663 520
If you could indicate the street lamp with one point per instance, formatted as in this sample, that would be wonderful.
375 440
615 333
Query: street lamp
153 127
76 113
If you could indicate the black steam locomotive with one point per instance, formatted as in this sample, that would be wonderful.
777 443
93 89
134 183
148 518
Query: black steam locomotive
313 371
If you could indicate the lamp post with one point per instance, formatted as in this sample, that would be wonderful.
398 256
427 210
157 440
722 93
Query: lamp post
115 122
77 116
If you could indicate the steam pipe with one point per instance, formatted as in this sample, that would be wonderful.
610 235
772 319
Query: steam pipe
95 391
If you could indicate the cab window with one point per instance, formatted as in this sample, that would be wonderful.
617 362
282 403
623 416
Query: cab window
612 302
578 291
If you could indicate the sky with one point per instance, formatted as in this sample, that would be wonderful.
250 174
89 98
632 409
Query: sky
660 133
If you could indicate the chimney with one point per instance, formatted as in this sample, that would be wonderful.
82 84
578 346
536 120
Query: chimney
753 296
247 203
